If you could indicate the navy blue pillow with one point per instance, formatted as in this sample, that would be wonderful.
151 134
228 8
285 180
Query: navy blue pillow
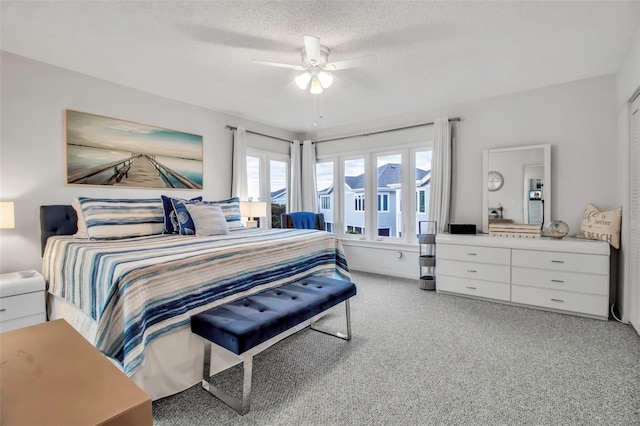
186 226
169 213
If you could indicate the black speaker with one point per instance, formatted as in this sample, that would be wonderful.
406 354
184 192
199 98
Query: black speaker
462 228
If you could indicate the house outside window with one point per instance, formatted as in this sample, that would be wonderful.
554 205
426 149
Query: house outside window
324 183
385 210
353 196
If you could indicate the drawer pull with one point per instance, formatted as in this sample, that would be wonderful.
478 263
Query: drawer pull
557 261
557 300
472 270
472 254
557 281
471 288
3 309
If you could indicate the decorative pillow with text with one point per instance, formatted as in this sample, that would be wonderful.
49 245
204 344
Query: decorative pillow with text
603 225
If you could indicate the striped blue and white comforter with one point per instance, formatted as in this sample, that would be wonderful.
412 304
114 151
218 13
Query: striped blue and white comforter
141 288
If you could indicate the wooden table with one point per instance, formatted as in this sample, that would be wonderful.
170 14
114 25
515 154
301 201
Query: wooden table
51 375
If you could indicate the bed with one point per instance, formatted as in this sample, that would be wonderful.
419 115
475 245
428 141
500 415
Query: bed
132 298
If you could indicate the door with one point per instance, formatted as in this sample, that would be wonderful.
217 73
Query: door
634 216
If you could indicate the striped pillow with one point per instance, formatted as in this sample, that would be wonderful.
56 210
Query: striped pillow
110 218
208 219
82 227
231 210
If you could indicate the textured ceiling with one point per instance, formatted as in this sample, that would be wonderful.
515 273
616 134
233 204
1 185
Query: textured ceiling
427 53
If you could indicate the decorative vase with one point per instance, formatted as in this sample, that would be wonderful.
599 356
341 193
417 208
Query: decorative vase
556 229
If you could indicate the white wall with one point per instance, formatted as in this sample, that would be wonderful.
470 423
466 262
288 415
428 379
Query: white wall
578 119
628 81
32 146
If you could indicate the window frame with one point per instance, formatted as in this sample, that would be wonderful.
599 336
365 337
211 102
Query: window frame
408 227
383 201
265 158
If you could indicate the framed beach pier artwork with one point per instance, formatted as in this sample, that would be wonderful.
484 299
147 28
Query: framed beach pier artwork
114 152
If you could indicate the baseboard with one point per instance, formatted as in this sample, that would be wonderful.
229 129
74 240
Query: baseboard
385 272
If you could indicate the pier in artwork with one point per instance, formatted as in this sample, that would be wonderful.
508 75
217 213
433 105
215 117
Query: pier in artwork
139 170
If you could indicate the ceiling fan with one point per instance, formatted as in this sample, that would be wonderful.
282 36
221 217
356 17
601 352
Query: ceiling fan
316 66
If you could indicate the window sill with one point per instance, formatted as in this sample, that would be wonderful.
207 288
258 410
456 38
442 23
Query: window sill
383 245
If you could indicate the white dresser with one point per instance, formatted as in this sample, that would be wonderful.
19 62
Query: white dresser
22 300
569 275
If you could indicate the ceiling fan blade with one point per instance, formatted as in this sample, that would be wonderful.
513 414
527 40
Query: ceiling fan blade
279 65
350 63
312 47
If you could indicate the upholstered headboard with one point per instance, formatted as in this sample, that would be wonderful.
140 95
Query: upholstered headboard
56 220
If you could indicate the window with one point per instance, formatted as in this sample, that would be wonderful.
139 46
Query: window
253 178
267 177
353 196
389 187
422 161
420 201
383 202
325 202
278 196
374 199
324 185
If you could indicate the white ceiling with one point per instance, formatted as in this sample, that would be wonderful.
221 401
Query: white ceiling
427 53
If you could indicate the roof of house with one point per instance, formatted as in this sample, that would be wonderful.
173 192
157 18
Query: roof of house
388 174
278 193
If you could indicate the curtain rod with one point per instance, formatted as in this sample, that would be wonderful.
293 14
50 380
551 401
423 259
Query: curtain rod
260 134
384 131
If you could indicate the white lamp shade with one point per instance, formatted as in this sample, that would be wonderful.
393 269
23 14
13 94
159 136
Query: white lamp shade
303 80
326 79
7 220
253 209
316 87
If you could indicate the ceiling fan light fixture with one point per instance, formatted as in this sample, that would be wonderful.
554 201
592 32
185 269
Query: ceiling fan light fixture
316 87
303 80
326 79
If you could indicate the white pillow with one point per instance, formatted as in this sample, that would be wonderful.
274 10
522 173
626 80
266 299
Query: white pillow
208 219
81 224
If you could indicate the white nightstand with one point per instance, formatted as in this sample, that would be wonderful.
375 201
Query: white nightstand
22 300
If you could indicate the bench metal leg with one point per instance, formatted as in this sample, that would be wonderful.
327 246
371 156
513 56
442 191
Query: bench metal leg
240 405
333 333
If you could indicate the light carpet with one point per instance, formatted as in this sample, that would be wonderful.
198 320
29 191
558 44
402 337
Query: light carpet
422 358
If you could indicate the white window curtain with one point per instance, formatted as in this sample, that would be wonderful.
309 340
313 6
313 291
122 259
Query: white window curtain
309 190
294 201
239 186
440 196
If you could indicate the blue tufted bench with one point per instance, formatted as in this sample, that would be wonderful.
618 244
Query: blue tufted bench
241 325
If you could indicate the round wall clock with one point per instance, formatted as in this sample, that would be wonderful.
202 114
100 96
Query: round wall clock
494 181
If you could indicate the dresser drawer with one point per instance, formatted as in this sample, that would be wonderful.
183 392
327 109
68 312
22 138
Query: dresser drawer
573 262
474 271
22 322
490 290
500 256
21 305
560 280
590 304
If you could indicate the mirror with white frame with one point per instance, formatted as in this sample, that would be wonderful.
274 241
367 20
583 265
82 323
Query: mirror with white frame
517 185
